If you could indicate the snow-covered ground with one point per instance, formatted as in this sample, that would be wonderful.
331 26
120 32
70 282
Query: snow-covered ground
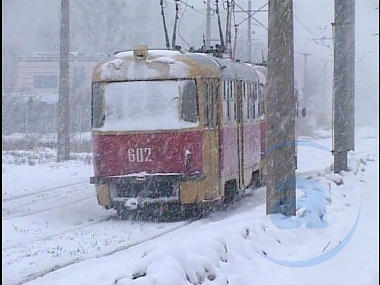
55 233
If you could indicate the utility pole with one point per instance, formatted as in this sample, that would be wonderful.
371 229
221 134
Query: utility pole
280 110
208 25
344 82
64 85
305 85
250 17
164 24
228 29
307 128
249 31
326 102
175 25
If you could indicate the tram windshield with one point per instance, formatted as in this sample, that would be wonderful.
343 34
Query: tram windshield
145 105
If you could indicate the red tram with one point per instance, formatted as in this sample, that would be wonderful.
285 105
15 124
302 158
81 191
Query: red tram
174 129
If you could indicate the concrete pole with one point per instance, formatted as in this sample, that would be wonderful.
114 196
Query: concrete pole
208 25
350 18
326 103
344 82
305 86
63 152
307 124
280 110
249 32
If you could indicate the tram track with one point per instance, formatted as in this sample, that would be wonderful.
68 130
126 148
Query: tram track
45 210
11 198
67 260
58 234
48 199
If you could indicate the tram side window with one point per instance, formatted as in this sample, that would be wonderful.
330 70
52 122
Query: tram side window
251 110
215 97
260 96
211 113
245 101
252 100
232 103
208 91
189 102
225 102
248 102
206 103
97 110
229 91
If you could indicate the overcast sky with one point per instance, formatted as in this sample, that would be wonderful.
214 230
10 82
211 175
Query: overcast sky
27 25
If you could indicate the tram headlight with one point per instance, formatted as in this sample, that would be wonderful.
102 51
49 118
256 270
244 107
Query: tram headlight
140 52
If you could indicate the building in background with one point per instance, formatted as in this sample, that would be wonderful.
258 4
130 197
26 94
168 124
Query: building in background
39 74
31 105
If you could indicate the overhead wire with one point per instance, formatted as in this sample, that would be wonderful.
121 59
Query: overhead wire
368 11
318 40
198 11
180 19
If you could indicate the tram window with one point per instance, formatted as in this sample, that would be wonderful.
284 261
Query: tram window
228 101
211 114
210 91
225 105
260 101
225 115
248 103
147 105
224 90
252 101
233 102
206 103
232 115
245 102
189 102
215 98
97 110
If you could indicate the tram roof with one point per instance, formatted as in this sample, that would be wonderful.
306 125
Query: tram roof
238 70
170 64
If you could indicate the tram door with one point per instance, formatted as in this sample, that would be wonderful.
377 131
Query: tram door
240 132
211 95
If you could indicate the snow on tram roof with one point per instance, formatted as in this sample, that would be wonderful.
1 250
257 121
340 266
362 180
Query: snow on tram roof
151 52
262 73
125 66
121 68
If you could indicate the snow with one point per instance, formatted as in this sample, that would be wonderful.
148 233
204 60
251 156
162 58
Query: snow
152 105
166 53
153 67
81 243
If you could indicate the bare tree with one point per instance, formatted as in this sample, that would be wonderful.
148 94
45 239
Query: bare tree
100 26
